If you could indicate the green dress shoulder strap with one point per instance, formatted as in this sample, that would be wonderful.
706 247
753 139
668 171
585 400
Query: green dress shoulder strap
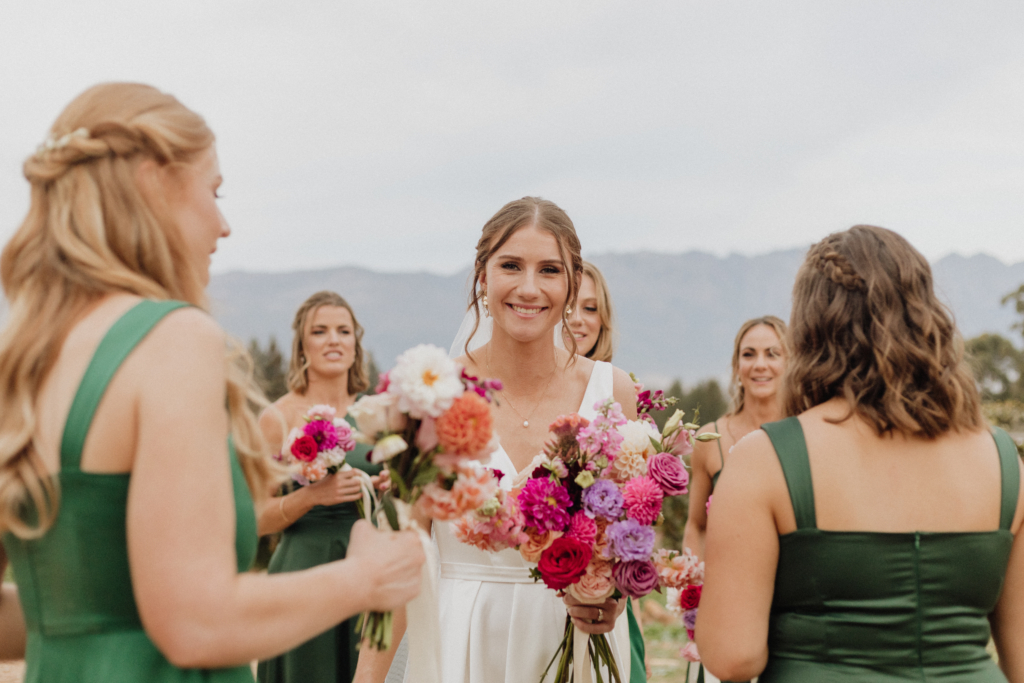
120 340
1009 466
721 460
787 437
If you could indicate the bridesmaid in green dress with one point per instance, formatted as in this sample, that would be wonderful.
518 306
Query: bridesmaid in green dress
591 324
124 483
874 535
758 361
327 368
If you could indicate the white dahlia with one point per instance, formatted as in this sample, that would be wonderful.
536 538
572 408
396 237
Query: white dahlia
636 438
425 381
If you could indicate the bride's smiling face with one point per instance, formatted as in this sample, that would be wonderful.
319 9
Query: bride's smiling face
526 284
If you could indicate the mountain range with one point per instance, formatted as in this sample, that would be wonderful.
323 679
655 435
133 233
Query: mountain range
676 314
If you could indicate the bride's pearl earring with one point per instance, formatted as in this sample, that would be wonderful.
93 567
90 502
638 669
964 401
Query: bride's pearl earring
483 302
568 310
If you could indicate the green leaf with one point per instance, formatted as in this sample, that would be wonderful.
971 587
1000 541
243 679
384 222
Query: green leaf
426 475
388 503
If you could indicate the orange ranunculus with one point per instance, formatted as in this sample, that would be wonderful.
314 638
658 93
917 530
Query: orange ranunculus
465 429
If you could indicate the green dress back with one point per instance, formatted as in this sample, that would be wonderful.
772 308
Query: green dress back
74 582
852 607
318 537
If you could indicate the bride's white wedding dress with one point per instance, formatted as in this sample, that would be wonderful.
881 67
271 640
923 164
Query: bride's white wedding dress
497 624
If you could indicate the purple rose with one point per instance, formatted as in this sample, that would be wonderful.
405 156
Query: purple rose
545 505
603 499
636 578
689 618
630 540
669 472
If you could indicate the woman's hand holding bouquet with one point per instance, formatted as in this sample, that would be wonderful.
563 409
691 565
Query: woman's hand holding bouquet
585 512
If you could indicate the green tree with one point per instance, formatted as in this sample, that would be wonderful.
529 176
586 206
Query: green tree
998 367
372 373
269 369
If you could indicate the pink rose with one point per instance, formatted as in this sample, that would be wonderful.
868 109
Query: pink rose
669 472
689 652
595 585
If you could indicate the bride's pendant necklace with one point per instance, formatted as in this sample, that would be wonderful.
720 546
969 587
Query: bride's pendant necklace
525 418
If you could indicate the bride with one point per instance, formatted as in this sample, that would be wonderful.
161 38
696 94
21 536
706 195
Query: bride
497 624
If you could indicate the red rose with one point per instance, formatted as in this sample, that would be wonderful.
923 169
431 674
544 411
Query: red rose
304 448
564 562
690 597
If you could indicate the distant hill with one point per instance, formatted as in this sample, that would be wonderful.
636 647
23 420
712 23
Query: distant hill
676 313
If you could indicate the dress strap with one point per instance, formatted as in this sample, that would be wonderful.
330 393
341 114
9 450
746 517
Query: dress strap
119 341
791 448
1009 466
721 456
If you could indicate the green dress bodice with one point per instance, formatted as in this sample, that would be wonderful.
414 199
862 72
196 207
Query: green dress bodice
318 537
852 607
74 582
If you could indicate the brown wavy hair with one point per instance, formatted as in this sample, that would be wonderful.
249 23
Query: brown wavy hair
522 213
604 347
298 368
90 232
737 394
867 327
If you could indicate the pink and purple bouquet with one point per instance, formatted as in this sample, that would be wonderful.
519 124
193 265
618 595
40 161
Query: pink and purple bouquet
683 596
319 447
585 512
430 424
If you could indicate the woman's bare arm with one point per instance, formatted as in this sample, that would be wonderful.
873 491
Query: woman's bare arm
181 524
700 491
742 549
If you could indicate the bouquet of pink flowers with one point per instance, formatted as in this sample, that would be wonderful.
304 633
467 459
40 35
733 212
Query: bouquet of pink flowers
585 511
683 600
430 424
319 447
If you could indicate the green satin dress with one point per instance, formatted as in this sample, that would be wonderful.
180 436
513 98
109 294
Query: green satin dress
74 582
852 607
318 537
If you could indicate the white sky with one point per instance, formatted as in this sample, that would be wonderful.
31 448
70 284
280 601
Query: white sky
384 134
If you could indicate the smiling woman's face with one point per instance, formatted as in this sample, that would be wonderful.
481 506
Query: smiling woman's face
585 321
761 362
526 284
329 342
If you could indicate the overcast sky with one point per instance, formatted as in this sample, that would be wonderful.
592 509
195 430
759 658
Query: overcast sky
384 134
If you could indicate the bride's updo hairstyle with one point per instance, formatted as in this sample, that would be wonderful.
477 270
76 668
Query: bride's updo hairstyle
867 326
523 213
88 233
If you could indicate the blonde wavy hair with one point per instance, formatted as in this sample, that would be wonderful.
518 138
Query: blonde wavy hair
298 367
737 394
604 347
518 214
867 327
88 233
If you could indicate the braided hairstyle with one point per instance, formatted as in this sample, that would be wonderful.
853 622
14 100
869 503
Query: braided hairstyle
89 232
866 326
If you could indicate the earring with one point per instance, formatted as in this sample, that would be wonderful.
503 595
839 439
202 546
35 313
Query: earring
568 310
483 302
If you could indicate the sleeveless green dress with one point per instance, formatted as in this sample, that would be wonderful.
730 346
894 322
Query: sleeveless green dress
852 607
318 537
74 581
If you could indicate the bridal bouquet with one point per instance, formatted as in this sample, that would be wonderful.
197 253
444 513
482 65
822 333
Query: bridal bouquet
585 511
430 424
